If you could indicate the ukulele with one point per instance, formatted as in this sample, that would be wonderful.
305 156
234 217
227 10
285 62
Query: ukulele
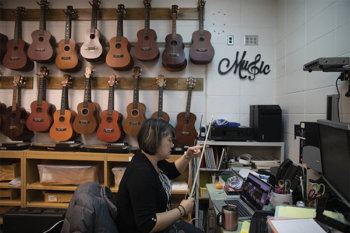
40 118
86 122
3 42
173 57
160 114
61 129
67 57
201 51
2 109
16 57
15 117
136 110
109 129
92 49
185 131
41 49
118 56
146 48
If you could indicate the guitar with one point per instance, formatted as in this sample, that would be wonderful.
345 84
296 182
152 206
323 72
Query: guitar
118 56
61 129
109 129
67 57
87 120
173 57
3 42
40 118
185 131
136 110
92 49
15 117
41 49
146 48
16 57
201 51
160 114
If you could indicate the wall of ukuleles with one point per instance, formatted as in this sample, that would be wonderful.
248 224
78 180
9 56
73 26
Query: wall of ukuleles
64 124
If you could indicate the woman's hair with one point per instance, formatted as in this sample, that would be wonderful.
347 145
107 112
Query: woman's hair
151 133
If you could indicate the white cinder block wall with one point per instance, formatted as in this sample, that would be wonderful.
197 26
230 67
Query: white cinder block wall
290 34
306 30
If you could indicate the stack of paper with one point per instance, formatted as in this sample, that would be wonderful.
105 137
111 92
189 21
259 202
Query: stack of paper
295 226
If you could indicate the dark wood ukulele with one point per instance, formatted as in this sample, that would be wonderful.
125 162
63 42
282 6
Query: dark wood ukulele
185 131
61 129
173 57
40 118
67 57
109 129
16 57
135 110
41 49
92 49
146 48
2 109
3 42
201 51
160 114
88 118
14 121
118 56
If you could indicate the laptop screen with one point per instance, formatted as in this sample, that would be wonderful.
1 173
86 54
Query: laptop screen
255 192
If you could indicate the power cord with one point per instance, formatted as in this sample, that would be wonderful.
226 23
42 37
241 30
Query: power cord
338 100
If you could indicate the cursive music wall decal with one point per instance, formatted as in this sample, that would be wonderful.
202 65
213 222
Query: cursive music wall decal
241 65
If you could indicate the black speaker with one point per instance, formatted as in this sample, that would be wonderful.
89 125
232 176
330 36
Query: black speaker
266 121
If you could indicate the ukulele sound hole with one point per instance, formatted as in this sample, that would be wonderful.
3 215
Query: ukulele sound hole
118 46
146 38
66 48
85 111
41 38
134 112
39 110
109 119
13 115
15 48
92 36
61 119
201 39
173 43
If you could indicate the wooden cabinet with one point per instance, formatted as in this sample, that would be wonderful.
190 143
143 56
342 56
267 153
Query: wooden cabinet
34 194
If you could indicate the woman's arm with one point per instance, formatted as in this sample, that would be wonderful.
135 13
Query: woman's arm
182 162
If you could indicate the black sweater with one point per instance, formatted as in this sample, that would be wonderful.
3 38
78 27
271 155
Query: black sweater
141 194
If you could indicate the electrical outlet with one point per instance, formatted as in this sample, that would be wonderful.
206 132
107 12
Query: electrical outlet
230 40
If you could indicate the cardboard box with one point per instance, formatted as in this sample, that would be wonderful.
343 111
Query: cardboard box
61 197
66 174
118 175
8 193
9 171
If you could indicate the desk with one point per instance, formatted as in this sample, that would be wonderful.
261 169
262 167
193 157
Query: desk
215 194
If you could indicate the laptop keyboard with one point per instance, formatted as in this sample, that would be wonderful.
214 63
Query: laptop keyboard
242 210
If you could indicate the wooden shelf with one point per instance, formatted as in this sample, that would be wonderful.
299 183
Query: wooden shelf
4 185
4 202
62 155
84 14
42 204
174 192
38 186
6 82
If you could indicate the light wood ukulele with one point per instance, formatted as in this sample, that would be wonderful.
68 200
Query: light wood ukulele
41 49
118 56
61 129
109 129
88 118
146 48
161 82
40 118
92 49
136 110
185 131
67 57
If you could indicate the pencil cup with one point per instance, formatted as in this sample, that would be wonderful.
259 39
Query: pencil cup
281 199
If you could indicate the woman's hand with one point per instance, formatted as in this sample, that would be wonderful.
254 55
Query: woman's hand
193 152
188 204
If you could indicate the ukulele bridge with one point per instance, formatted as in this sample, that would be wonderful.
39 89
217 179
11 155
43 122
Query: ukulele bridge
66 58
185 133
108 130
40 50
174 55
201 50
38 119
91 48
61 129
84 122
146 48
135 123
118 55
14 58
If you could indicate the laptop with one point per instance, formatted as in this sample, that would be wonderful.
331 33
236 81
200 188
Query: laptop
252 198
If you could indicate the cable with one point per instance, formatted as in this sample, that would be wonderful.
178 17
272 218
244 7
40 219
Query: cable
338 100
47 231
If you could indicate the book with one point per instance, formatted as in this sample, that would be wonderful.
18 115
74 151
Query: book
295 226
